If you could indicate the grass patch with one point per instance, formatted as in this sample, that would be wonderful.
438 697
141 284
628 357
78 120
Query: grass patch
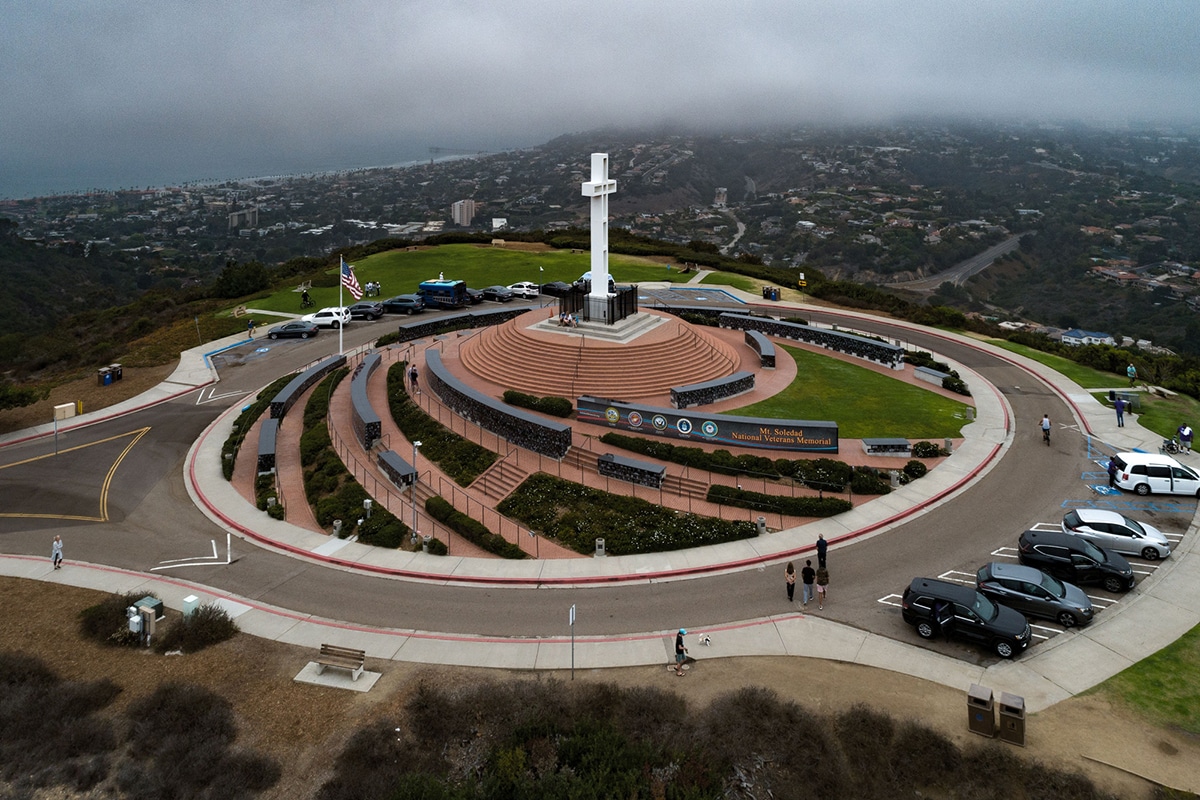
862 402
1086 377
736 281
1165 686
1161 415
401 271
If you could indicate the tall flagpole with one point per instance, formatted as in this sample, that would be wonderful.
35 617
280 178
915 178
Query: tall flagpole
341 272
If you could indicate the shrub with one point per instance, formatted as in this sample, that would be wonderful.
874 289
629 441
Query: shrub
438 548
106 621
383 529
471 529
207 625
554 406
778 504
229 449
915 469
926 450
956 385
866 480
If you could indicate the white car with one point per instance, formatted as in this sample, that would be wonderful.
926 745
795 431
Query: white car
525 289
1116 532
332 317
1152 473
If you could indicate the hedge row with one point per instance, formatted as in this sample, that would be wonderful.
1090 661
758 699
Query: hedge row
575 516
778 504
554 406
462 460
470 529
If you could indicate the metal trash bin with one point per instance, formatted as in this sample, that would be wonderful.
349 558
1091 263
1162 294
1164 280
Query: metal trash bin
117 372
103 376
761 526
600 548
1012 718
981 716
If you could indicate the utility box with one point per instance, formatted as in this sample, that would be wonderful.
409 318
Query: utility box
190 604
1012 718
152 603
146 613
981 716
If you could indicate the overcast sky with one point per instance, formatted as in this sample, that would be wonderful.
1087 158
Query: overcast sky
114 93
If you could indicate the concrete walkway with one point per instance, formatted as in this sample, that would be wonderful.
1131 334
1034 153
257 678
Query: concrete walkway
1161 609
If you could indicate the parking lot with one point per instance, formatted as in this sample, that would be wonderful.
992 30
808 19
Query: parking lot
1170 514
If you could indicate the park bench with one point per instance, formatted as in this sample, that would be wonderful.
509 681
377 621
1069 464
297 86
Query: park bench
344 657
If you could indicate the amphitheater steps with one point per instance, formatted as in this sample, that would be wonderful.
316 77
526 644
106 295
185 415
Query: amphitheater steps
548 364
499 480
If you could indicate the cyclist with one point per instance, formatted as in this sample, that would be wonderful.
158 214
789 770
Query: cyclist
305 300
1046 428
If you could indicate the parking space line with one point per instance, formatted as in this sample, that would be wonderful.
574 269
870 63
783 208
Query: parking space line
1005 552
948 575
888 601
1140 570
1046 526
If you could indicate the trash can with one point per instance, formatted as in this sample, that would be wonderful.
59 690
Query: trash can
774 294
103 377
425 543
1012 718
766 290
761 523
949 445
981 718
337 527
599 548
1112 395
116 371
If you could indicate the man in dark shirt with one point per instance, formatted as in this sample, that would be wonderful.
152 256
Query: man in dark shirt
808 575
822 546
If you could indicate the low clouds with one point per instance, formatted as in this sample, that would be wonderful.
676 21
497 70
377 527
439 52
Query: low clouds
227 88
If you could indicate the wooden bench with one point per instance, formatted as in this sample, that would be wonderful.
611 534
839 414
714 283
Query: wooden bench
344 657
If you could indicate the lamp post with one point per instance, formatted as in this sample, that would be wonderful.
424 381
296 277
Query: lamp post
416 476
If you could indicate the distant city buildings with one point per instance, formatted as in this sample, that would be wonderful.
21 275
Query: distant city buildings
463 212
246 218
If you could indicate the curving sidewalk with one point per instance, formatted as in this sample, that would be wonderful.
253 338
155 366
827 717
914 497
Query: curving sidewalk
1164 607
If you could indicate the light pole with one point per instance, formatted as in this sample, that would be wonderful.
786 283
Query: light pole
416 476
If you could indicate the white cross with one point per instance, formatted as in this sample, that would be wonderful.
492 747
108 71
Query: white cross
599 188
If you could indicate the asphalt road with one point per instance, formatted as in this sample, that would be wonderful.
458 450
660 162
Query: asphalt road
960 272
138 514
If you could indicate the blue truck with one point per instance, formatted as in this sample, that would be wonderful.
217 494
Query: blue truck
443 293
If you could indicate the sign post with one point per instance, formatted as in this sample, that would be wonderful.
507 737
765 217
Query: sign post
572 620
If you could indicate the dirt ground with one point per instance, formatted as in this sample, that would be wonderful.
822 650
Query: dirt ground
94 397
304 726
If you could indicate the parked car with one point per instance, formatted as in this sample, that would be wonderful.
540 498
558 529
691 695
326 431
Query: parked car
1116 532
1147 473
556 288
332 317
525 289
971 615
296 329
474 296
404 304
1075 560
584 282
368 309
1033 592
499 293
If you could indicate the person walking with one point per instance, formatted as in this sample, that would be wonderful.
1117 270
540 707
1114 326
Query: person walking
807 576
56 552
822 546
1119 404
250 329
1131 373
412 377
1112 473
1185 437
680 652
790 578
822 586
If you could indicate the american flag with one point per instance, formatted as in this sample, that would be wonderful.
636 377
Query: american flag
349 281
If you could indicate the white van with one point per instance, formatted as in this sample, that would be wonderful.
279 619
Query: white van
1151 473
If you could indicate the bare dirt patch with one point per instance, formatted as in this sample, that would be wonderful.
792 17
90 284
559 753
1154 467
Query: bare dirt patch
304 726
87 390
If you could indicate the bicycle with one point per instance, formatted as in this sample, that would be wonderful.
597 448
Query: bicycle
1046 436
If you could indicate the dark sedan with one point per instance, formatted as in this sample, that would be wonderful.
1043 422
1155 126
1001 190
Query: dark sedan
500 293
298 329
474 296
404 304
366 310
556 288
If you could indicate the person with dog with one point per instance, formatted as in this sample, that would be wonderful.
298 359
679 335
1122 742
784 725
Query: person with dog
680 652
807 576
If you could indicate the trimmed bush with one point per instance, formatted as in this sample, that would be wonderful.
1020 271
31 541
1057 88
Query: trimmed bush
915 469
926 450
866 480
384 529
554 406
777 504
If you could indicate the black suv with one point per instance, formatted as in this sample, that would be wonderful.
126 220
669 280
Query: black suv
974 617
1075 560
367 309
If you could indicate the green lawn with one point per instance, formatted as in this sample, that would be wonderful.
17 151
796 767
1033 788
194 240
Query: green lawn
863 403
1086 377
1165 686
1163 415
735 280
